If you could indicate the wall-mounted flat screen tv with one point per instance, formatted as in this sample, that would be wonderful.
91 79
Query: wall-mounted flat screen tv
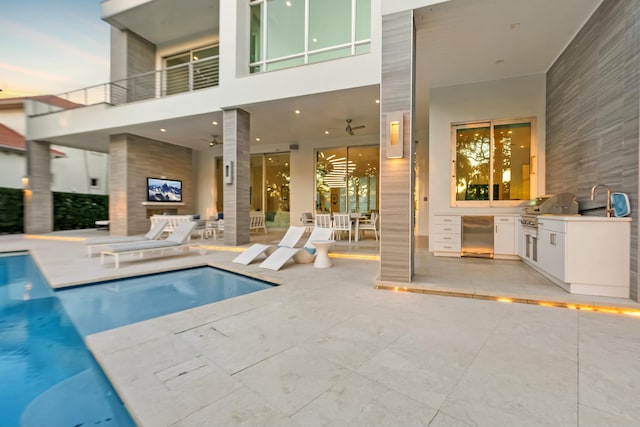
164 190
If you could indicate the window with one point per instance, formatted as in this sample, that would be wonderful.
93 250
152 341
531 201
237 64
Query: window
192 70
286 33
491 163
347 179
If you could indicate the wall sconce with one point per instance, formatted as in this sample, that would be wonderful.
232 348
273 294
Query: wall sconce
395 135
25 182
228 172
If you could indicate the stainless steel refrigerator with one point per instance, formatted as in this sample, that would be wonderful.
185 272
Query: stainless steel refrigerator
477 236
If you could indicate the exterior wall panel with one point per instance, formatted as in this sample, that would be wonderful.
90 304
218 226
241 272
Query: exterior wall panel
396 175
133 159
236 193
593 107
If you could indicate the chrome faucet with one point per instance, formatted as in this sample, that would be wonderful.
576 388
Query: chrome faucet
593 193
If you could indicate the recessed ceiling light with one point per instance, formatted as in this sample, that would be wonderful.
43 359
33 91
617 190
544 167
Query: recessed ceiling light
297 111
163 130
258 139
515 25
377 101
326 132
214 123
288 3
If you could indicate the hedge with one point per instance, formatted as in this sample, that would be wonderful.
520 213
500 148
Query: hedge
70 210
11 211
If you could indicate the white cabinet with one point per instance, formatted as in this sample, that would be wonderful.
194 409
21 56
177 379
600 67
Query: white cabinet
551 248
504 235
445 236
585 255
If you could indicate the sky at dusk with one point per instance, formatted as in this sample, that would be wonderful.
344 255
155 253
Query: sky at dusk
51 46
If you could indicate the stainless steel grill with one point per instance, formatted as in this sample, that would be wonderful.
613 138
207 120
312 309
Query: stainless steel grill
560 204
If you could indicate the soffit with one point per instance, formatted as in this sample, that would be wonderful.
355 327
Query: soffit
469 41
168 21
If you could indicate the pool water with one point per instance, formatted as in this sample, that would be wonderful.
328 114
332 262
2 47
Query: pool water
117 303
48 376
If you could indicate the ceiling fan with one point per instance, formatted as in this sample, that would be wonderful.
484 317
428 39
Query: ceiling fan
350 129
213 141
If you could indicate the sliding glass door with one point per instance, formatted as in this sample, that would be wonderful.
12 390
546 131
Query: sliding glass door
347 179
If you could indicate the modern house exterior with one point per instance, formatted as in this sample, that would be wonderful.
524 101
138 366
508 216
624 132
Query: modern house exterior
72 170
413 108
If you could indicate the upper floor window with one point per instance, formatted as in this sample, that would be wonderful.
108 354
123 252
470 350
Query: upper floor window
192 70
286 33
492 163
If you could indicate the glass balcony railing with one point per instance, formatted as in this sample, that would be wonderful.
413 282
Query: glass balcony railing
181 78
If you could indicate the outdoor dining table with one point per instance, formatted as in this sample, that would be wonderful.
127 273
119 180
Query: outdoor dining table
356 216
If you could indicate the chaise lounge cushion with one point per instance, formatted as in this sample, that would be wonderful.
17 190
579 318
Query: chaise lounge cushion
151 235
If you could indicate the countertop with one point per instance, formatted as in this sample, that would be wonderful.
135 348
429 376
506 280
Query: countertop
584 218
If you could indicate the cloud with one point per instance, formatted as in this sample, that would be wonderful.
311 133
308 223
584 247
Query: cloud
35 73
49 43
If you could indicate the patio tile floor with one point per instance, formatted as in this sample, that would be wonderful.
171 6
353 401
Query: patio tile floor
328 348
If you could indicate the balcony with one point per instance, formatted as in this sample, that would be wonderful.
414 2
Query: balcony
188 77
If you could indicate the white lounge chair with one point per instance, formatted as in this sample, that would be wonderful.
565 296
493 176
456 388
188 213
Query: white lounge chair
289 240
176 241
303 255
101 242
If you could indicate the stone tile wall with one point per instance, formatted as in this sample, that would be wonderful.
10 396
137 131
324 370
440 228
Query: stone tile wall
132 160
396 175
593 109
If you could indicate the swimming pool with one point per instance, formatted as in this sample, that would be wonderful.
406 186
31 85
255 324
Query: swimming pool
49 378
107 305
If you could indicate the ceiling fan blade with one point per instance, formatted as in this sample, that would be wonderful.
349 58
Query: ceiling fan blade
357 127
350 131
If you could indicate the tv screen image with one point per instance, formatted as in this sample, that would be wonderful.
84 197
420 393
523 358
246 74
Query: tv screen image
164 190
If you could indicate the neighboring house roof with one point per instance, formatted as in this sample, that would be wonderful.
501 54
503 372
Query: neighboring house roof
47 99
11 140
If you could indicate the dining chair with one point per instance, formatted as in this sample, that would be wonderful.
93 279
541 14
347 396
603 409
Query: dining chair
306 219
370 224
323 221
342 222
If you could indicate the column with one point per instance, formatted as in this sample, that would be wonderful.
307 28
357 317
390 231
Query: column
396 158
235 175
38 199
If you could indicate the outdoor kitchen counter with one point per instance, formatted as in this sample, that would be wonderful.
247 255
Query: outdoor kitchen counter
587 255
588 218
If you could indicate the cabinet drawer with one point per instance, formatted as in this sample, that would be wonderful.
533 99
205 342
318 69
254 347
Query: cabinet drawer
446 229
446 247
503 219
447 238
447 219
552 225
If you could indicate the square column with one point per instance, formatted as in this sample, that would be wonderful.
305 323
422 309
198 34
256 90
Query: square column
235 175
396 148
38 198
